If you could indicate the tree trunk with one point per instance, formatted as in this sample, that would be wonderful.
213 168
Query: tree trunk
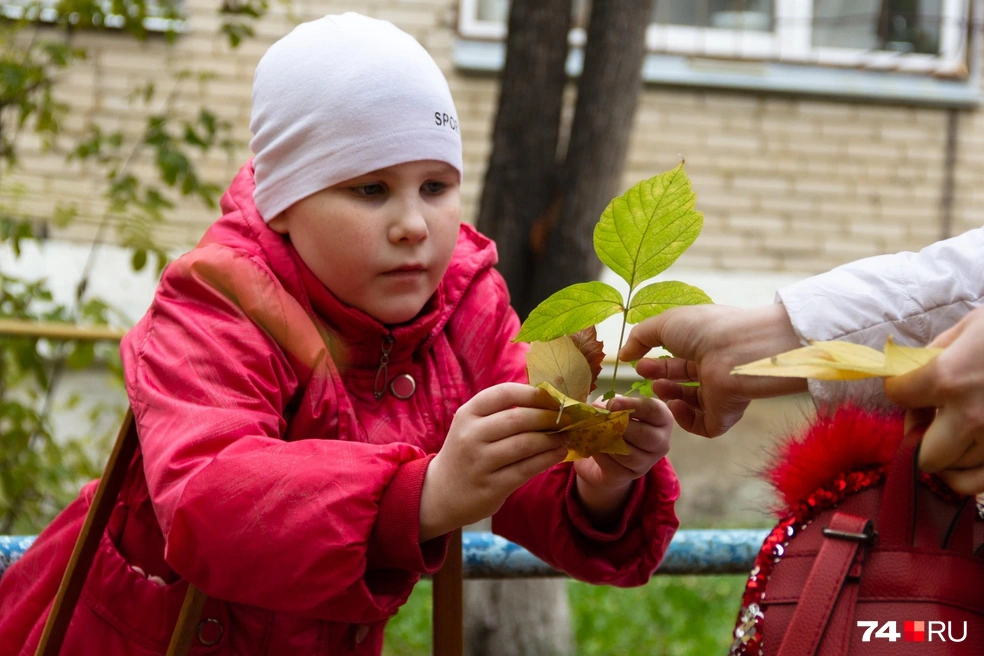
541 213
606 101
522 617
522 175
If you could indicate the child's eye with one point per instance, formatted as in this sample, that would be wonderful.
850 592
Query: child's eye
374 189
434 187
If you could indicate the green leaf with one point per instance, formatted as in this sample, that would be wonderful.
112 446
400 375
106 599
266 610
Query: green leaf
645 230
571 309
609 395
139 260
65 214
659 296
644 387
81 356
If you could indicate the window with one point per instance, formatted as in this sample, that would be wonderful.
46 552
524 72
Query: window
908 36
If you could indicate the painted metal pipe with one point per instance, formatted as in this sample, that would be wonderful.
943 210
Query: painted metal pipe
488 556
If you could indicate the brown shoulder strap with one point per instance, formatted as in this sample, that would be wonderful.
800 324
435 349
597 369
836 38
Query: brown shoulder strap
85 547
85 550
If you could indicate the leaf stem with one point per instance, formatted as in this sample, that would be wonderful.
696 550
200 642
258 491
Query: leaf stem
621 338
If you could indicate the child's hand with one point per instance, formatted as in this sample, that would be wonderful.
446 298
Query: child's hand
604 480
494 446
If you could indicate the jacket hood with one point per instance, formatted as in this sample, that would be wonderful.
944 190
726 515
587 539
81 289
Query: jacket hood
242 228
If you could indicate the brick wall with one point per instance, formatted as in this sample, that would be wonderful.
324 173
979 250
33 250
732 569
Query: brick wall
786 183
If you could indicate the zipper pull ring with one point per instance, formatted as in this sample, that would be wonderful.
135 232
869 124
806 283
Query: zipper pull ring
382 373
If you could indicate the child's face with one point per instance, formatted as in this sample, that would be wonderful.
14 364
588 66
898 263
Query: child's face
380 242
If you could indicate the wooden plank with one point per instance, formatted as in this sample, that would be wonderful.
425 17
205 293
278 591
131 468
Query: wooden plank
55 330
187 624
88 542
448 617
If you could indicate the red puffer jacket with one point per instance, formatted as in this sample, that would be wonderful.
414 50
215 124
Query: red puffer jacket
271 476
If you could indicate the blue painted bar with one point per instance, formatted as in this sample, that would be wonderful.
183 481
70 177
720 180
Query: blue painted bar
488 556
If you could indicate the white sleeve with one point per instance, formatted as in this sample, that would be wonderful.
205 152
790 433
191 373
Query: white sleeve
911 296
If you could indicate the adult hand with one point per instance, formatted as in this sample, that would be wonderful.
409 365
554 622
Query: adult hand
495 444
707 342
605 480
951 387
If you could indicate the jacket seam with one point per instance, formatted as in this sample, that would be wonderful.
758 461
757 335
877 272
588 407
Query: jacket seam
970 300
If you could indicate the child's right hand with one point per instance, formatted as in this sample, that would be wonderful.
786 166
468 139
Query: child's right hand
494 446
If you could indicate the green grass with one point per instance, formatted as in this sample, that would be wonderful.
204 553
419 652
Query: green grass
671 616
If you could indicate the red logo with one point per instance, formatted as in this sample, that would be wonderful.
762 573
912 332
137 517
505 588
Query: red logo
914 631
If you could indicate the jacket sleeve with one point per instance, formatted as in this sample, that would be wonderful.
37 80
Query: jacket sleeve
301 527
545 515
911 296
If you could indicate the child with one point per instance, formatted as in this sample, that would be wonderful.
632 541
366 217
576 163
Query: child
325 387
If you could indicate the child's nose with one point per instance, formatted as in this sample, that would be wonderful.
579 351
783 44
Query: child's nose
409 225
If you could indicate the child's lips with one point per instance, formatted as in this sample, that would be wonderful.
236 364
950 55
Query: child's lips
407 273
407 269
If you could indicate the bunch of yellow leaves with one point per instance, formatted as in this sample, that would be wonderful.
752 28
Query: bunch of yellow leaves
561 368
841 361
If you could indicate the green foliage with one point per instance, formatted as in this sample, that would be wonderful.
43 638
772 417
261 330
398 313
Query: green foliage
39 470
643 231
639 235
660 296
672 615
571 309
675 616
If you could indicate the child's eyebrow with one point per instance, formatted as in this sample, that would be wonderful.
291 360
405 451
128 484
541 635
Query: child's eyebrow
447 169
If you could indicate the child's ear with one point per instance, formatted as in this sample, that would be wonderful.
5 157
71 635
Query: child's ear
279 224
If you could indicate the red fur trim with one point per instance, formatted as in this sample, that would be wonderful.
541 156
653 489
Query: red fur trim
833 444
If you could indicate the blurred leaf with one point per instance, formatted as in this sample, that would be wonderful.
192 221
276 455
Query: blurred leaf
139 259
81 356
65 214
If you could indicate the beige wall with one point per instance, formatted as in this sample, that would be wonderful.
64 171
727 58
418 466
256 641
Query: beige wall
786 183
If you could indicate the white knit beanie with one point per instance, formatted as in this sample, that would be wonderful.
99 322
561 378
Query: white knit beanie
339 97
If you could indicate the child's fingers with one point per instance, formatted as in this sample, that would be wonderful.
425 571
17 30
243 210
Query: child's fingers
507 395
619 467
516 474
514 421
650 411
516 448
649 441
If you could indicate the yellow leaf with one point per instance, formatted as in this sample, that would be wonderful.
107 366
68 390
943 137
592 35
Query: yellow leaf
601 434
560 363
903 359
593 430
840 361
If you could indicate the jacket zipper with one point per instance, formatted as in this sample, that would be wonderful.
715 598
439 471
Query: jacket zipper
382 373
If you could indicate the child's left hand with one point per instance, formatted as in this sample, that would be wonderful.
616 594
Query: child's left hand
604 480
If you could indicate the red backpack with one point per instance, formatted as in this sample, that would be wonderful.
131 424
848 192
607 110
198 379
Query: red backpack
870 556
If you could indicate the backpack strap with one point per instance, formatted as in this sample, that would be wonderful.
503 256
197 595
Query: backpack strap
839 559
96 520
95 524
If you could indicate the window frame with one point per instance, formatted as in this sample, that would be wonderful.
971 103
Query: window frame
789 42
